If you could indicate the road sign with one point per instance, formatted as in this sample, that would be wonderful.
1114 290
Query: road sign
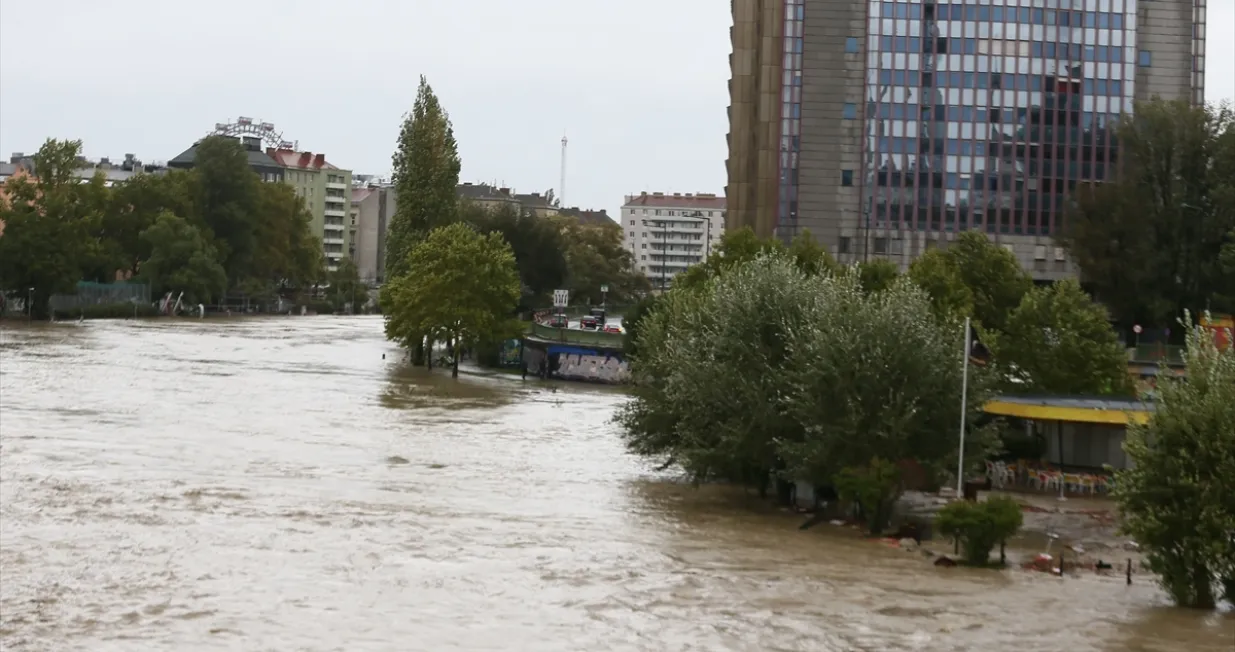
561 298
1137 329
604 289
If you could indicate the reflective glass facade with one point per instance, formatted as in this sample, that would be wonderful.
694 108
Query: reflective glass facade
985 114
791 111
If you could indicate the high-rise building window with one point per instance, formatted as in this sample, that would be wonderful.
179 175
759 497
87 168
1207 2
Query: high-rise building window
1144 58
846 177
851 44
850 111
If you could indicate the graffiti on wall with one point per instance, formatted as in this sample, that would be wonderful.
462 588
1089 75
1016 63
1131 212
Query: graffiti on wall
599 368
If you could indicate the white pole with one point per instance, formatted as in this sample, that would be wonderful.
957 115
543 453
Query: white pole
960 461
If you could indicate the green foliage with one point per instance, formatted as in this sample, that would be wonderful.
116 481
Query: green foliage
1058 341
811 257
460 286
765 369
939 275
995 280
48 225
631 323
877 275
1149 243
181 259
1178 499
873 487
876 375
736 248
288 254
426 173
980 526
347 294
595 256
537 243
226 209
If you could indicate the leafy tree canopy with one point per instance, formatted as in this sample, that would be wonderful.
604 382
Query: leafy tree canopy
460 286
1178 497
595 257
182 260
426 174
939 275
1149 243
537 243
995 280
877 275
768 370
1058 341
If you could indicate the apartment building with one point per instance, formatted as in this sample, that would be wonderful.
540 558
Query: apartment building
373 207
667 233
886 127
327 192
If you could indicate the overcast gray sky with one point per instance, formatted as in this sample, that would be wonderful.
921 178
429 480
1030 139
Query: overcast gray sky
638 86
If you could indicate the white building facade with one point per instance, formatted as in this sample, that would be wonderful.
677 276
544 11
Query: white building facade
668 233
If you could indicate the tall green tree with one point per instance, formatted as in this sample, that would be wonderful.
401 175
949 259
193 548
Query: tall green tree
227 203
460 287
1058 341
1148 243
50 222
426 174
937 273
595 257
288 255
182 259
537 243
811 257
736 248
766 371
1178 498
877 275
994 277
136 204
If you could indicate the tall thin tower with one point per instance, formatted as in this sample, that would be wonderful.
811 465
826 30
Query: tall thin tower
561 189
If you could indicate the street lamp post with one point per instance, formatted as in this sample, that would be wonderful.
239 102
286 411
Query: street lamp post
30 304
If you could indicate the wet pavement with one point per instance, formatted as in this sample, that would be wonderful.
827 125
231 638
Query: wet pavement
275 484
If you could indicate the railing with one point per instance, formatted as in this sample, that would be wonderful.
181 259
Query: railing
575 336
1155 353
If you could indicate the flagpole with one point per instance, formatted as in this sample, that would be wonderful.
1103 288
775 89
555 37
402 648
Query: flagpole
960 462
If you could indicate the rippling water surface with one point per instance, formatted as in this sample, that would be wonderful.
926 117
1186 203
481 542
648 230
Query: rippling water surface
275 484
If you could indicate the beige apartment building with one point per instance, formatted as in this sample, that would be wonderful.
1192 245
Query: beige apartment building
667 233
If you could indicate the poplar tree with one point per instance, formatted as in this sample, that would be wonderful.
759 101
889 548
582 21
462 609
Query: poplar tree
426 173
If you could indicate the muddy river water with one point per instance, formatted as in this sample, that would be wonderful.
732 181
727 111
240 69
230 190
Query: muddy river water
276 484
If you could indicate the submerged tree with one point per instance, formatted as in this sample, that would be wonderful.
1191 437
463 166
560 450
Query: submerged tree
766 371
1178 498
460 287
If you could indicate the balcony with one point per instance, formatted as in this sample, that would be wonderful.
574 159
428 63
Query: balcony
335 212
331 185
336 199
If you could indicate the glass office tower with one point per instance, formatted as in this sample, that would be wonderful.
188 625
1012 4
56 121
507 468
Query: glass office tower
896 125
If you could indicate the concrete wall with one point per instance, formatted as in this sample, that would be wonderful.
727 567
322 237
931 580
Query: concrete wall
1165 30
831 78
754 115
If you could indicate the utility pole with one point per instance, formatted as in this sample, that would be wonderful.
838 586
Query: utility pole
664 252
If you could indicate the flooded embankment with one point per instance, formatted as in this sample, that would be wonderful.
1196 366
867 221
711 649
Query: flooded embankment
275 484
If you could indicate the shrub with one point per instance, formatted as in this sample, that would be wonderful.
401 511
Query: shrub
874 488
980 526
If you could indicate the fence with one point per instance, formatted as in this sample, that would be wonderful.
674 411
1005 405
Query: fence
101 294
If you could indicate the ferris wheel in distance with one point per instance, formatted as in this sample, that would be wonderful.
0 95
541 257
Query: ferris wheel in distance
249 127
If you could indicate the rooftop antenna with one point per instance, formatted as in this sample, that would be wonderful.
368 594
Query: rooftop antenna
561 190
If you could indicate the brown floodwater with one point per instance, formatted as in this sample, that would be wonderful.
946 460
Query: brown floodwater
275 484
